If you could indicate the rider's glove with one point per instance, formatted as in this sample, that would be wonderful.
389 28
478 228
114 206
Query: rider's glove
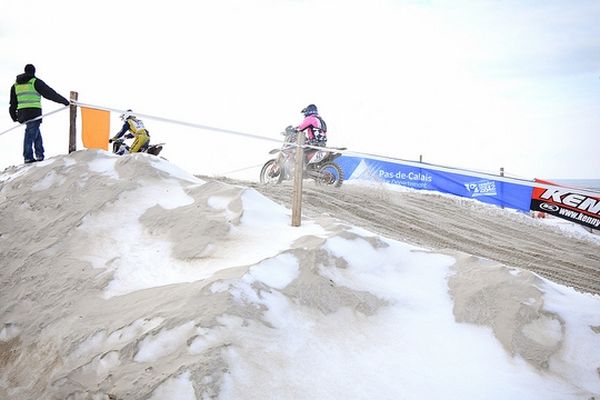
111 140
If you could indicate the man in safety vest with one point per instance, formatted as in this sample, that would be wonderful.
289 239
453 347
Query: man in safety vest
136 127
26 107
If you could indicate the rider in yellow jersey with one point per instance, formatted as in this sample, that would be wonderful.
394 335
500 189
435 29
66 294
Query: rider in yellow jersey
136 126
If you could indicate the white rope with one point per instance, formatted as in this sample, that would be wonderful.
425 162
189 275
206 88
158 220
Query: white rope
416 164
35 119
178 122
242 169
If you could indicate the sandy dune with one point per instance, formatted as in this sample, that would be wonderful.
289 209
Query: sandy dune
64 242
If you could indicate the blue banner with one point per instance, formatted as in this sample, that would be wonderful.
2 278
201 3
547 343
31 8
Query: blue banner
491 191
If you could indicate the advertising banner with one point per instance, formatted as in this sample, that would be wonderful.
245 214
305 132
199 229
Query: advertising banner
486 190
567 203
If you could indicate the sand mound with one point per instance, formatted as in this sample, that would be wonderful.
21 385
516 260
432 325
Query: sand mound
509 301
68 331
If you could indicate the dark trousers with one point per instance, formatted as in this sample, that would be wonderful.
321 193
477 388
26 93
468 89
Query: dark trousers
33 139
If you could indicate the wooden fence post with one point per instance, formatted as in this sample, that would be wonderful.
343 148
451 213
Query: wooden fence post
73 123
298 175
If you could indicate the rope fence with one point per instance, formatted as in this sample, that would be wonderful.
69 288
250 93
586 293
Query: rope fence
17 125
440 168
179 122
417 164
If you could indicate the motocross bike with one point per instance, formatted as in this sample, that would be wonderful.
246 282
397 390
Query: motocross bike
318 164
120 147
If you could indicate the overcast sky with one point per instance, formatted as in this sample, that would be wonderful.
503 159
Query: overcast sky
472 84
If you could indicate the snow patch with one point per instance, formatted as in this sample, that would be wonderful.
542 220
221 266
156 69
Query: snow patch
9 331
277 272
164 343
104 166
179 387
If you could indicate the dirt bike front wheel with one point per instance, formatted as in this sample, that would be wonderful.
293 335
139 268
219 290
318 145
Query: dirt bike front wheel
330 174
271 173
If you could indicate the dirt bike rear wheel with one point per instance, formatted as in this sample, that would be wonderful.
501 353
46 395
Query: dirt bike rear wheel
268 174
331 174
154 150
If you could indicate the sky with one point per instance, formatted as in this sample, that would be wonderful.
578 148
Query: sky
411 347
469 84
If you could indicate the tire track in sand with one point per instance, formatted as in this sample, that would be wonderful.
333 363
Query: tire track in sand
435 221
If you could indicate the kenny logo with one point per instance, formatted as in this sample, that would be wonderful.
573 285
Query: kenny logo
575 200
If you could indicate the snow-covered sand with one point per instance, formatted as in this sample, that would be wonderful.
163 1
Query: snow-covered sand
553 248
127 278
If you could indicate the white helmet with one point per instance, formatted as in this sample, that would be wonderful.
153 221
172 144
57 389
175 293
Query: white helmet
127 114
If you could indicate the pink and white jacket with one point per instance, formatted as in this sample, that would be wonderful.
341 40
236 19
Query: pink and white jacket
313 127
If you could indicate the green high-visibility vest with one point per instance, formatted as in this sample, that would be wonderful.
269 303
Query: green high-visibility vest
27 96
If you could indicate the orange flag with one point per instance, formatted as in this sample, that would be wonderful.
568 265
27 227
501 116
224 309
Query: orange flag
95 128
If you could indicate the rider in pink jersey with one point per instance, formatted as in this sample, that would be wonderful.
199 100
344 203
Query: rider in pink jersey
315 127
